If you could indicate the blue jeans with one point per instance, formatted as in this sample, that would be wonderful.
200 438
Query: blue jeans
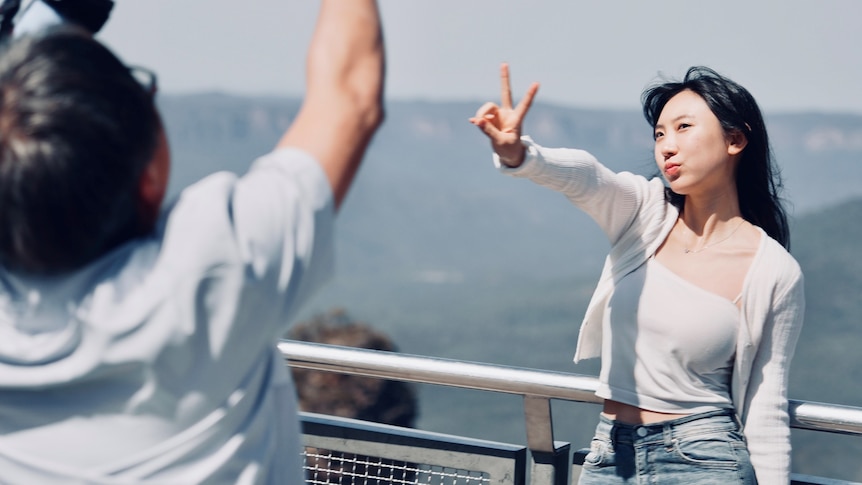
704 448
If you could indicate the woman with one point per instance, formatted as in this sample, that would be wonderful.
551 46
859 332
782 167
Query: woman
699 305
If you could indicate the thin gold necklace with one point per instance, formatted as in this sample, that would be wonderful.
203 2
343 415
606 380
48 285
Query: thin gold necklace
707 246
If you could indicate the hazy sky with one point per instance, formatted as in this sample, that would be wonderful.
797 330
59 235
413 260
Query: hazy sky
792 55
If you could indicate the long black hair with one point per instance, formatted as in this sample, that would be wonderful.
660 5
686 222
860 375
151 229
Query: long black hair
758 180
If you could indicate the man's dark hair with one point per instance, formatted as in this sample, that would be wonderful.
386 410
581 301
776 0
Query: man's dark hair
76 132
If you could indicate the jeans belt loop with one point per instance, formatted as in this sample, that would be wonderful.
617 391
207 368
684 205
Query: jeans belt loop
667 434
739 422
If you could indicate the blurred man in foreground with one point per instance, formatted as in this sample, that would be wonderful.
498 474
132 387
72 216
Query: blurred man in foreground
138 339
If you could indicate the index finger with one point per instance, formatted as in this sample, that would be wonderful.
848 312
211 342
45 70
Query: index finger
505 87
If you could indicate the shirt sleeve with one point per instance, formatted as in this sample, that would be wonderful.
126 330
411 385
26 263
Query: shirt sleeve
283 216
767 422
613 200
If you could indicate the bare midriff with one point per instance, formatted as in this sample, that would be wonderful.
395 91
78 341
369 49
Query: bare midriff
626 413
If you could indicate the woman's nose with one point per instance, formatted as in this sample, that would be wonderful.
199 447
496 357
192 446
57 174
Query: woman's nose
667 147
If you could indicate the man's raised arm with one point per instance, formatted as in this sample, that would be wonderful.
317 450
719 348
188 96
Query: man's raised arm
343 104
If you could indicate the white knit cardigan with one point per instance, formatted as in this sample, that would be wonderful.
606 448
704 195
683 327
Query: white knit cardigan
635 216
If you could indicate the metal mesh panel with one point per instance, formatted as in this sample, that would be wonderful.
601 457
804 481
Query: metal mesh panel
332 467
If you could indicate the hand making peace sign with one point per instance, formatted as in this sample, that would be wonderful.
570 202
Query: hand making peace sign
502 124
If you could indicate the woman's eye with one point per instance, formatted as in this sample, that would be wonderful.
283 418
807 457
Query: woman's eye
657 135
683 125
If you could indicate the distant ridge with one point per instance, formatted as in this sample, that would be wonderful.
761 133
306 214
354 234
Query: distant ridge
820 153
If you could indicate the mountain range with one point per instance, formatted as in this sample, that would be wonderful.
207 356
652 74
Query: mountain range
454 260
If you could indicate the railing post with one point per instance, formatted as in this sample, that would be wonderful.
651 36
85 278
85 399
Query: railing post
549 461
551 468
540 426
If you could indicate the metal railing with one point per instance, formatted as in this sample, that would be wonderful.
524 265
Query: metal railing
537 387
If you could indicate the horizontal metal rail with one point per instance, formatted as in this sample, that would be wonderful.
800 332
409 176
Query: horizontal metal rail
816 416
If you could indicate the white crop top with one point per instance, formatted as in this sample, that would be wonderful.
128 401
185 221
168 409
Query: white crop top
668 344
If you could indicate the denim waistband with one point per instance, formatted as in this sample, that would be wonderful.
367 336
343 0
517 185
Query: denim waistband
698 424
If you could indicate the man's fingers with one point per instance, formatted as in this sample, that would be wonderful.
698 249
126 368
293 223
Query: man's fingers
527 100
505 86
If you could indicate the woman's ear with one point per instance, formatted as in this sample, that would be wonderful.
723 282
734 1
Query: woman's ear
736 142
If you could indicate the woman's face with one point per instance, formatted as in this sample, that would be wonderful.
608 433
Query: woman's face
692 150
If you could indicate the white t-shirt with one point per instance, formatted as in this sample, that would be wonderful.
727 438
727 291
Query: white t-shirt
158 362
669 345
